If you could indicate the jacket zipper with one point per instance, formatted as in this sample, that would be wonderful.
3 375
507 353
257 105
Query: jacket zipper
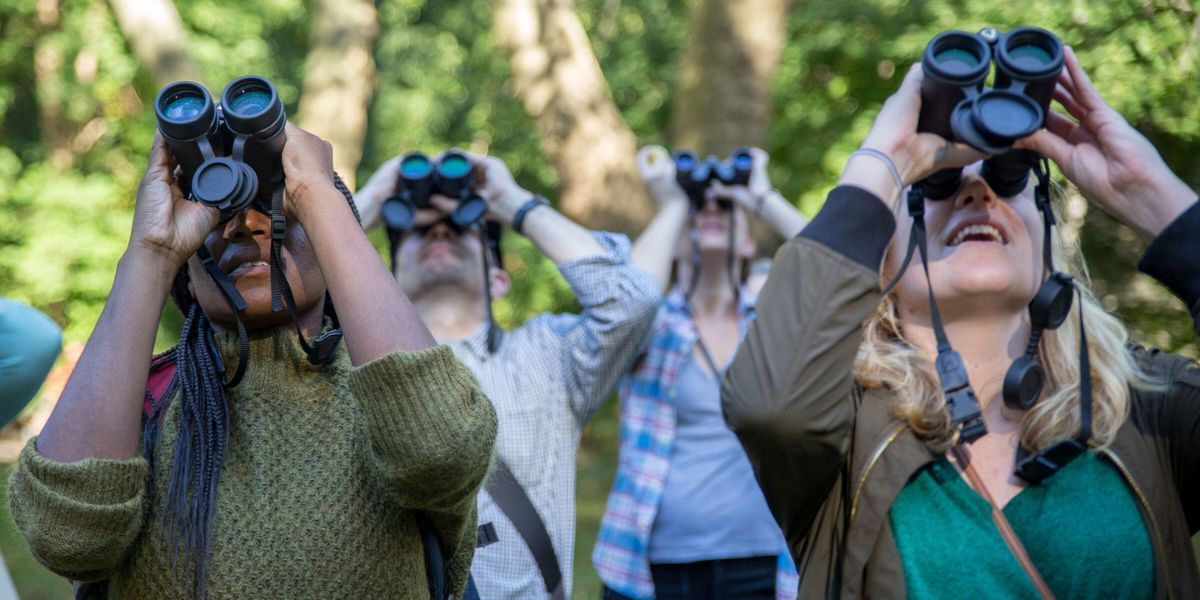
1116 460
875 456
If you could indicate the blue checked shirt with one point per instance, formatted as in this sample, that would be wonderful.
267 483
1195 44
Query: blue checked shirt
648 419
546 379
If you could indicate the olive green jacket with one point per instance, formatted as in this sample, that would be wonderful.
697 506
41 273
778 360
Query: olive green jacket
830 457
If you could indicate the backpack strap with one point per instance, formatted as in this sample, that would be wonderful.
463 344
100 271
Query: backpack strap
512 500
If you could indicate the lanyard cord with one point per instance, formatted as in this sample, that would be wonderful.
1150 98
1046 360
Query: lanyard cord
952 373
235 301
322 348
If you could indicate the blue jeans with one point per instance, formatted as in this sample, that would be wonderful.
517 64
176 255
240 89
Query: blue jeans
725 579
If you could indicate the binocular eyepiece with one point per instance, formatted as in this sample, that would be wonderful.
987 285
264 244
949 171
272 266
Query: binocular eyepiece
230 153
452 176
956 105
695 176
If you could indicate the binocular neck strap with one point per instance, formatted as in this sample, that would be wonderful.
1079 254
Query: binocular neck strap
1085 379
1041 197
235 301
321 350
493 337
960 397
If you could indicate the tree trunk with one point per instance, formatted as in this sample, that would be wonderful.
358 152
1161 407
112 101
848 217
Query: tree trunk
556 76
339 78
156 35
723 95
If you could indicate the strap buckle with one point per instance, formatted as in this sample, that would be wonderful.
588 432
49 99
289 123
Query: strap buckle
960 397
1035 468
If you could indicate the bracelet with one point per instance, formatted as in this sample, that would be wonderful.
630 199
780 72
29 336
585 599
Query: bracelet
887 160
519 218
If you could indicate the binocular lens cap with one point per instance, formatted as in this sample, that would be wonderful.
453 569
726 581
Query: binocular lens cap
1023 383
225 184
995 120
469 211
1052 304
397 213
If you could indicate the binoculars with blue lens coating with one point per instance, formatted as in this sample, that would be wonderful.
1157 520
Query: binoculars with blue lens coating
230 154
452 176
956 105
695 176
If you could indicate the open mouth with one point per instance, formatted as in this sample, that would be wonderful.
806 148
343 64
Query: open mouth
248 266
977 233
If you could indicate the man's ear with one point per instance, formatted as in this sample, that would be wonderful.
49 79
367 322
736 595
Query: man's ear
499 281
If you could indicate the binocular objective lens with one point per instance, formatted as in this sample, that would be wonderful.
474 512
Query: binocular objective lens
957 59
743 161
454 166
184 107
414 167
250 101
1030 56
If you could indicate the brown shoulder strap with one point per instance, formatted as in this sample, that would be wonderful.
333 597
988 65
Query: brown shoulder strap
1006 531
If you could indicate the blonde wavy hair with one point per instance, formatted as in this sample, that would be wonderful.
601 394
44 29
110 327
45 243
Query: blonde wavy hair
886 360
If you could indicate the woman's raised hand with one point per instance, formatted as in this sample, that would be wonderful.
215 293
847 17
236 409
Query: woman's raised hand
916 155
1110 162
164 224
658 171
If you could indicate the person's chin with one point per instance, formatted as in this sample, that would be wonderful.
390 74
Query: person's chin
444 277
713 242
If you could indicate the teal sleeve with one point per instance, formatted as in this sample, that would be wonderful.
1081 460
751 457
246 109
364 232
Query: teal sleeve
29 344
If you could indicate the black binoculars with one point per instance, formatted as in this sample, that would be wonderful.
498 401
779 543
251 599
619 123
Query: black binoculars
230 154
694 175
421 177
956 105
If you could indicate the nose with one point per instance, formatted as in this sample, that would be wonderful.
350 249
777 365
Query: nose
441 231
247 223
974 189
710 205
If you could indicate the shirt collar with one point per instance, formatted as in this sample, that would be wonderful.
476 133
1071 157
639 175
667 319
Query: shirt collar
476 342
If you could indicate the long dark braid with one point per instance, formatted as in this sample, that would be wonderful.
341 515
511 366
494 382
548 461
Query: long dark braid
203 432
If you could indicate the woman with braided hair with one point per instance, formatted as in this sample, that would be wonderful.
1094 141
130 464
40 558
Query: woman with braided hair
303 479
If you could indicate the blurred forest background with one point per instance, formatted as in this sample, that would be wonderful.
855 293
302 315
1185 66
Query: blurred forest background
563 91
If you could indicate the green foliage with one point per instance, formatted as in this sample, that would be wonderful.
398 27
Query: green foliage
76 122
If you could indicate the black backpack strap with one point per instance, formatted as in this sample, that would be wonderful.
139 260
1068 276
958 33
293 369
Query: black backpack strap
436 558
515 504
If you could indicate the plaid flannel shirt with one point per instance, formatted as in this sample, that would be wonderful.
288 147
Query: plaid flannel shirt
648 419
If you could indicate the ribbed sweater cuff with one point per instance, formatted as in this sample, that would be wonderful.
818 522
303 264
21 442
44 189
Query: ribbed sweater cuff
855 223
91 481
424 395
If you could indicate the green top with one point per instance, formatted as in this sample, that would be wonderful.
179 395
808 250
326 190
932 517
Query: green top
324 470
1081 527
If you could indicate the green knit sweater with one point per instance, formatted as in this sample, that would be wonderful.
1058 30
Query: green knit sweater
325 469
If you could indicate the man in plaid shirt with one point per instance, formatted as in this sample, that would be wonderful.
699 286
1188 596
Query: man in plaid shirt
545 378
